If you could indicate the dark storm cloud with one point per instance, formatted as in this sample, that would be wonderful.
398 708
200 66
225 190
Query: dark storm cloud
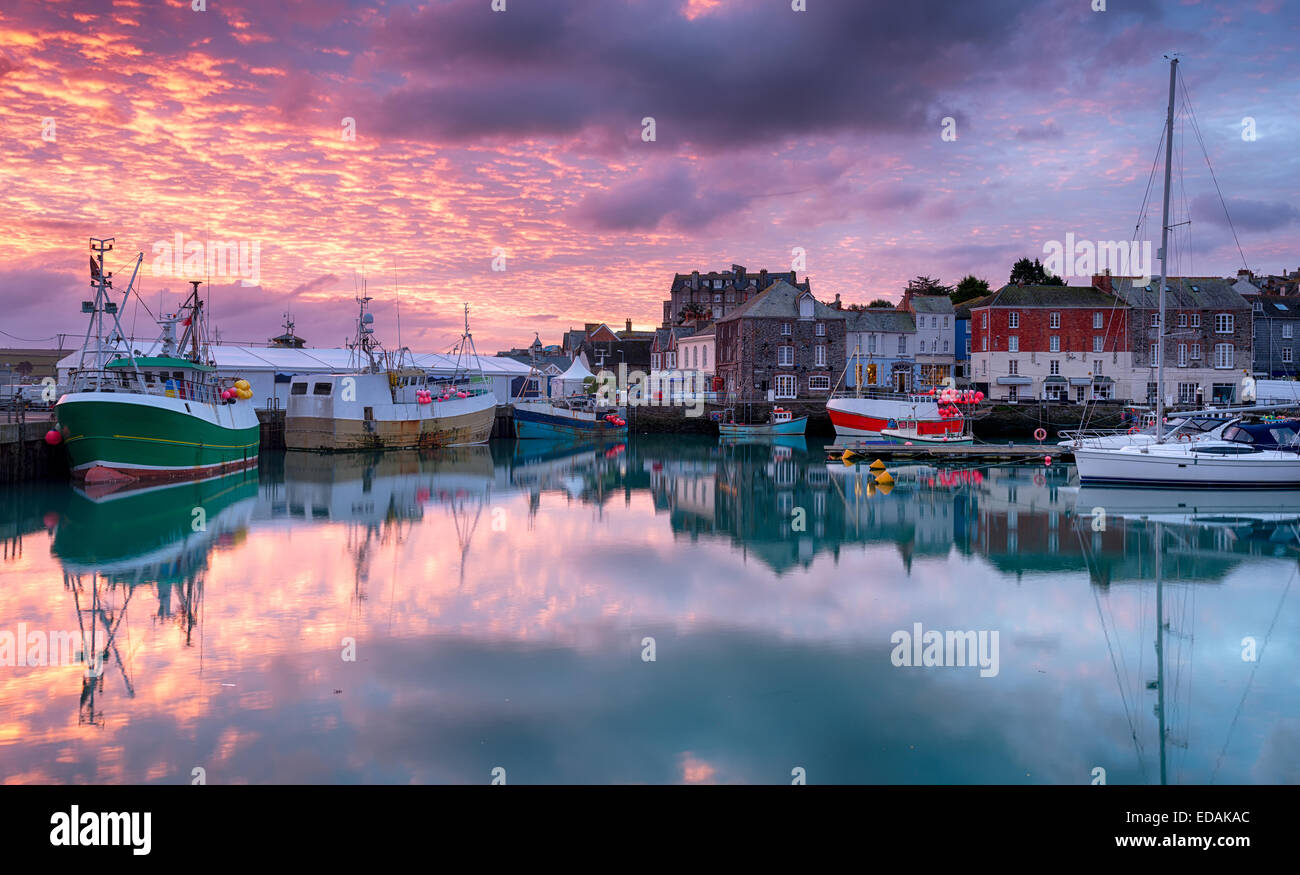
1247 215
740 74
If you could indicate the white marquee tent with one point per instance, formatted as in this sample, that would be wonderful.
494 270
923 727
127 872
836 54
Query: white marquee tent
571 381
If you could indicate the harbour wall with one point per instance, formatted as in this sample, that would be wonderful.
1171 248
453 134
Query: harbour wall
24 454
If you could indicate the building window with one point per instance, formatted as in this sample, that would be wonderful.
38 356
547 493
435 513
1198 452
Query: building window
902 344
1155 320
1259 306
1286 354
785 329
706 356
1286 331
672 360
654 361
1013 320
1013 343
785 356
1054 343
934 321
1098 343
1013 366
985 343
1053 320
1096 320
717 299
1096 367
1222 323
1196 352
819 355
1054 367
786 386
1013 394
945 321
1155 355
1224 355
984 319
1196 320
984 367
1187 393
821 329
1182 320
945 346
1222 393
819 384
1182 355
871 344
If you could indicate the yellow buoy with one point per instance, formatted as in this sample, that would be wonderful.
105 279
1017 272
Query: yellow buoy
884 479
885 488
847 455
877 465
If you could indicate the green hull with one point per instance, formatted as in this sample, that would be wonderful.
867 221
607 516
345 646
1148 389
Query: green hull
148 440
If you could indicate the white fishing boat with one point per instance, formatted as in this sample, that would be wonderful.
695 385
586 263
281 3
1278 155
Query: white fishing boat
388 404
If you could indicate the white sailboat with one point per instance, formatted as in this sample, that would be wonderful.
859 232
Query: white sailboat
1235 457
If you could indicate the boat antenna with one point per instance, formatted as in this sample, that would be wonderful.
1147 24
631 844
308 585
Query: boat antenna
1164 251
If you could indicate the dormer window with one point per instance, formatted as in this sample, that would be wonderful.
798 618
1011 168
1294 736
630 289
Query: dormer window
806 307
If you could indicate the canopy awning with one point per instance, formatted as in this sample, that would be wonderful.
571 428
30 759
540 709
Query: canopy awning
1054 378
1015 380
1097 380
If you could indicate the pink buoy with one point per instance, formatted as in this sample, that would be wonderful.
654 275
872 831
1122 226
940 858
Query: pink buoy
1047 461
907 443
52 437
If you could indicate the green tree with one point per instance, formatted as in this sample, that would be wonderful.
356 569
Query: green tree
875 304
924 285
1032 273
970 288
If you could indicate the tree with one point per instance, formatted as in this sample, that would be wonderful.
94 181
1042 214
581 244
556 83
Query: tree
970 288
875 304
1027 273
924 285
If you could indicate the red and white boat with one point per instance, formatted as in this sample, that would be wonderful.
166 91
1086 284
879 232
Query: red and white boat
920 418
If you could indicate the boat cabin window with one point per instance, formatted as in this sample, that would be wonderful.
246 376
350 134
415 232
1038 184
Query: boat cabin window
321 389
1223 451
298 389
179 375
1238 435
1284 437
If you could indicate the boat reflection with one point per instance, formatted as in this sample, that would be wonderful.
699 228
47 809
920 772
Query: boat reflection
764 539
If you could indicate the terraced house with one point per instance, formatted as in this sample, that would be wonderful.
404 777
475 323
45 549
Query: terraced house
782 344
1277 334
1208 341
1055 343
881 349
709 296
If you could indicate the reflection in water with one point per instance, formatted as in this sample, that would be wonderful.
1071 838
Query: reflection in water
430 616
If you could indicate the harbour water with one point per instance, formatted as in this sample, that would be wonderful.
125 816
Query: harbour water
666 610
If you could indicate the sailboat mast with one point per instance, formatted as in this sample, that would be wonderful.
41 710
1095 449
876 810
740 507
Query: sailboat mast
1164 255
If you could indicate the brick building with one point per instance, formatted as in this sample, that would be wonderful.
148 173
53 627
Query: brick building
710 296
783 341
1055 343
1277 331
1209 338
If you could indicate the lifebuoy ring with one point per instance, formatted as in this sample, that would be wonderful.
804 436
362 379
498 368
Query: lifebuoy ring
1040 434
1134 430
1185 437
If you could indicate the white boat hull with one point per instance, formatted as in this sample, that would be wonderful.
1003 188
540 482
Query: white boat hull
1184 468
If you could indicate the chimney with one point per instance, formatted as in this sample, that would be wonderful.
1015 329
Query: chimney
835 305
695 280
1102 281
629 325
739 271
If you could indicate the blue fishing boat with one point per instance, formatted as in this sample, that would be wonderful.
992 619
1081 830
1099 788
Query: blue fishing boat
783 422
580 418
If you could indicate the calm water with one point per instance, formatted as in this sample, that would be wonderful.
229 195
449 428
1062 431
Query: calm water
500 601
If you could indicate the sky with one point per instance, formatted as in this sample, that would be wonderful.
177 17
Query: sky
557 162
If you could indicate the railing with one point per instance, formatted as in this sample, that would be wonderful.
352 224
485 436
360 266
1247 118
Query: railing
132 383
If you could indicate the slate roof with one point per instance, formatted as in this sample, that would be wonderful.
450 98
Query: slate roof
881 319
963 309
937 304
1183 293
1012 295
1276 306
780 299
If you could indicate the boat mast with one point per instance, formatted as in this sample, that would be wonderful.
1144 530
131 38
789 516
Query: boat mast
1164 255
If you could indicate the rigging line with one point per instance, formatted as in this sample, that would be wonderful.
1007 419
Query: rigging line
1128 716
1196 128
30 339
1259 658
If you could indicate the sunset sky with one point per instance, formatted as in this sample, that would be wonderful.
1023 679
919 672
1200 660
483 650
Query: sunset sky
521 131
